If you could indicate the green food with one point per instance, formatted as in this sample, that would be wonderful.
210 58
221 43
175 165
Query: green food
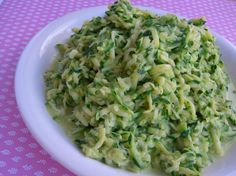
140 91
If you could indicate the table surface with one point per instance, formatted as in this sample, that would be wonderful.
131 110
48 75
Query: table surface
20 20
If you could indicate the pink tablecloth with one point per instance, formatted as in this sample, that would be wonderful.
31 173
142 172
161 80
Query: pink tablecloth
20 20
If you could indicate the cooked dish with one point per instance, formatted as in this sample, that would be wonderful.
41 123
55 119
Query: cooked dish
140 91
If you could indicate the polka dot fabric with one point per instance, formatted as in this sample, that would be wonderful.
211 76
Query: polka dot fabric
20 20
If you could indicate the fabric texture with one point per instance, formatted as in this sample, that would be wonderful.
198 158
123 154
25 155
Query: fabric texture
20 20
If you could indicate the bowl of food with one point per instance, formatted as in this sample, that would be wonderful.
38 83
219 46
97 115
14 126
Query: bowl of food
131 91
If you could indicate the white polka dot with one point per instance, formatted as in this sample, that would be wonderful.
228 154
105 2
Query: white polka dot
15 124
33 145
5 152
38 173
13 171
5 118
43 162
43 152
16 159
11 133
19 149
7 110
3 126
30 155
52 170
24 130
27 167
8 142
2 164
22 139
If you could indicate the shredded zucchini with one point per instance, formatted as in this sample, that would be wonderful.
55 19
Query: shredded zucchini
141 91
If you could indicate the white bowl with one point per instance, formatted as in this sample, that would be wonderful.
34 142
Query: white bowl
29 88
